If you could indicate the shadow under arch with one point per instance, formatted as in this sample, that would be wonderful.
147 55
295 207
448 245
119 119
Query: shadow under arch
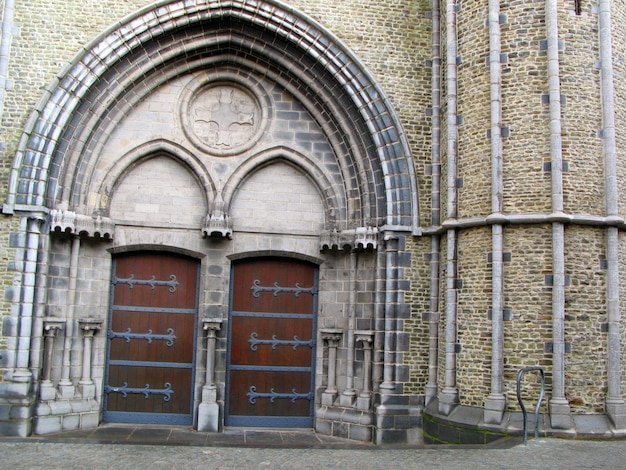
333 200
143 153
324 59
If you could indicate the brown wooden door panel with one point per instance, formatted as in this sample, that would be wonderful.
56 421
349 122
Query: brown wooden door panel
152 329
136 378
268 339
263 383
169 341
272 343
284 273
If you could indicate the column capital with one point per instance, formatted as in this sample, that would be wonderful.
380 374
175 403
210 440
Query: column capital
364 336
53 324
331 334
211 325
89 325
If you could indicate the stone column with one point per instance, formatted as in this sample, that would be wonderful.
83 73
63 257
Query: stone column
209 411
51 327
66 386
332 336
348 395
89 326
366 338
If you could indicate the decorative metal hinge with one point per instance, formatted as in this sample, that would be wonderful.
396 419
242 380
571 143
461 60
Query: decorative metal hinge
147 391
273 395
152 282
275 342
170 337
276 289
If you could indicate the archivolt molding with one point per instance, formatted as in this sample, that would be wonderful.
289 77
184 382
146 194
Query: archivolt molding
332 198
105 188
41 159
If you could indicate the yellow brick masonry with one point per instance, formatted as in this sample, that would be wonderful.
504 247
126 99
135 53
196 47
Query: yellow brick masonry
392 38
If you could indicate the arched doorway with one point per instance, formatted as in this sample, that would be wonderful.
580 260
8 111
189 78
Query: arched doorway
272 340
151 339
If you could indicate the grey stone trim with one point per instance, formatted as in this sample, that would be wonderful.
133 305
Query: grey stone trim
143 44
78 224
525 219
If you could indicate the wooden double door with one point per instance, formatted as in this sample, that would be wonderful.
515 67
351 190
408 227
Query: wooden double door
272 334
151 339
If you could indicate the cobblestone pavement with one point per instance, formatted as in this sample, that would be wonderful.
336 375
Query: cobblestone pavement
542 453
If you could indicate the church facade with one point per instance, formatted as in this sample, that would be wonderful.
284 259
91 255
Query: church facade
381 220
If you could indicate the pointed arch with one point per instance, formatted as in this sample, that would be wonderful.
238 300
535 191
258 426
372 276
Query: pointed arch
175 37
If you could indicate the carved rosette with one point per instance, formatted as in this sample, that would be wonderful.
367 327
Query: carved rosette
223 117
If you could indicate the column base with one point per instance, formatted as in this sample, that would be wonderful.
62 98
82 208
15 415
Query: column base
67 391
347 398
88 390
616 410
448 401
560 414
209 394
47 392
430 394
364 402
208 417
329 397
493 411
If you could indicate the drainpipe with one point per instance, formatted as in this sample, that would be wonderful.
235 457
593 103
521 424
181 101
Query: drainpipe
615 407
435 241
558 404
449 396
496 401
5 48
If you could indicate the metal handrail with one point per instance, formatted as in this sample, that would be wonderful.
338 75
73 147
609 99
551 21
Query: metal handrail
521 403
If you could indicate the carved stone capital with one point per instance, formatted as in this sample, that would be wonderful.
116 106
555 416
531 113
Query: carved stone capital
364 336
217 223
89 325
211 326
332 336
359 239
62 221
51 325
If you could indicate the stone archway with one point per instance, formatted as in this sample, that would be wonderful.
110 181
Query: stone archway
175 64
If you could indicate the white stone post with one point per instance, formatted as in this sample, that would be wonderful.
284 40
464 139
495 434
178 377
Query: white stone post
66 386
365 396
51 327
209 411
332 336
89 326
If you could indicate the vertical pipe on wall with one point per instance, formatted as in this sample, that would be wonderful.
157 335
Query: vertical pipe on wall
615 406
559 406
435 241
449 396
496 401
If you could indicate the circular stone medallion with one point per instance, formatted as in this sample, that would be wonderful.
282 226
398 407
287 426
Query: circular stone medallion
223 118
